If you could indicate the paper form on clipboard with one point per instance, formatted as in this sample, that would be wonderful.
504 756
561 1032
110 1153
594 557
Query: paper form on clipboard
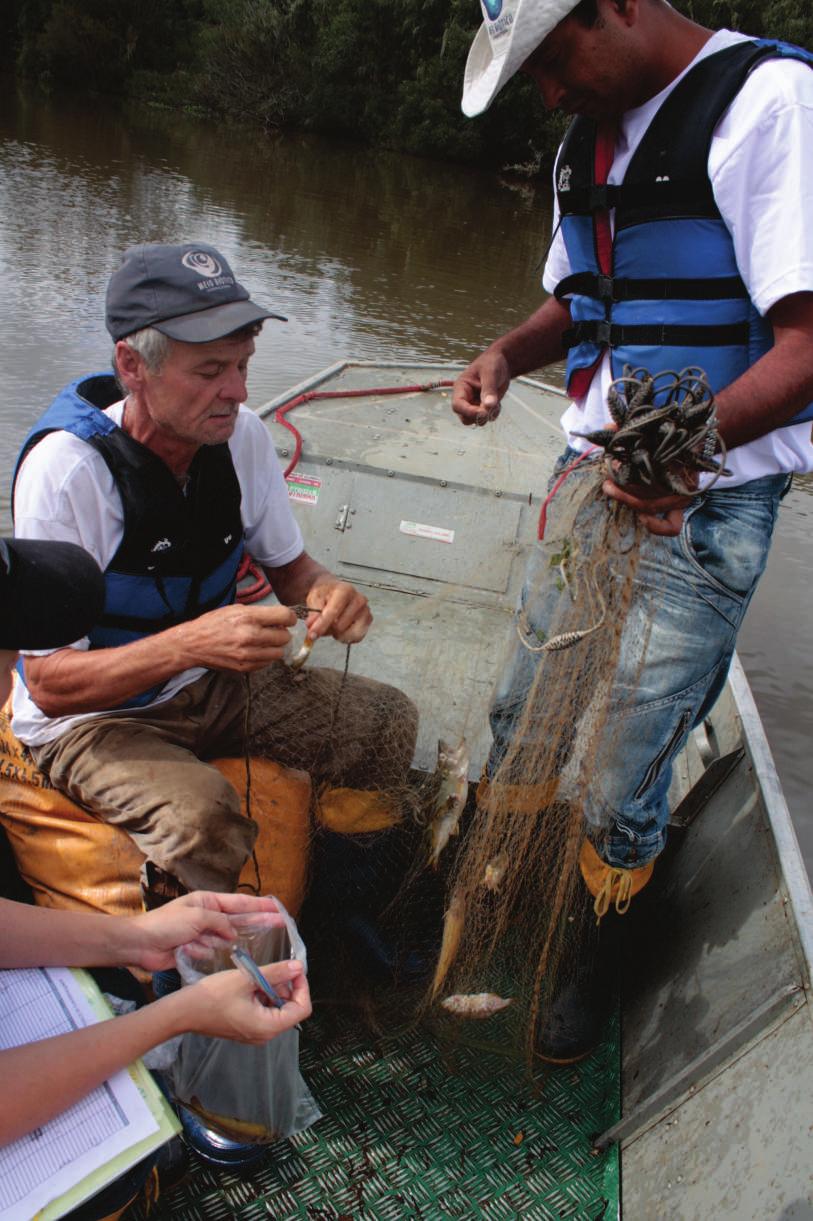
74 1155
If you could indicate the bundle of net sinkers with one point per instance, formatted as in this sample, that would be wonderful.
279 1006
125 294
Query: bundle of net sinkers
473 896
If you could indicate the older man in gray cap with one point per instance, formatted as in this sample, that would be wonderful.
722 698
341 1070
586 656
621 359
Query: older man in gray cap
681 238
164 477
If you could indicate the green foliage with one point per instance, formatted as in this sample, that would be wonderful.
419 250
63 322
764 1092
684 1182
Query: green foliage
245 59
385 72
791 20
9 32
96 44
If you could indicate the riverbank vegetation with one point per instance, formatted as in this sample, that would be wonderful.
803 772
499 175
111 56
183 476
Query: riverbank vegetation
385 72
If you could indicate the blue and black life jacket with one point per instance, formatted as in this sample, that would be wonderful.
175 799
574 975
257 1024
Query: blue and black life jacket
675 296
180 551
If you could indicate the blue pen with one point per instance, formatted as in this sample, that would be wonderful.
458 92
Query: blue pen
245 963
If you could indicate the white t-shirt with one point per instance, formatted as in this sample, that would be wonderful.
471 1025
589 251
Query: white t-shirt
65 491
761 172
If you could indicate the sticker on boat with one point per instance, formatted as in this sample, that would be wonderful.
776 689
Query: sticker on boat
419 530
303 489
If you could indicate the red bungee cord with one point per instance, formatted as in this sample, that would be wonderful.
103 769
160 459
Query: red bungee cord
543 512
312 395
282 411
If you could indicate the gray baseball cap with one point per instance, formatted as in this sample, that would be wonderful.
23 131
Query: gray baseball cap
187 292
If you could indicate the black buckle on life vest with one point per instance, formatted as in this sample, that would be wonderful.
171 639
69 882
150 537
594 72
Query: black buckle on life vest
597 198
605 288
601 196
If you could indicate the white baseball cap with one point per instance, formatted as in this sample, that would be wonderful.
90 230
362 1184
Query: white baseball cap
512 29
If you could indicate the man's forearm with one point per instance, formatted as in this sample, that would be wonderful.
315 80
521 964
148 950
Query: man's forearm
766 397
779 384
538 341
79 680
291 582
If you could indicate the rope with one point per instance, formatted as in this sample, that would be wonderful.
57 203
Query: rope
317 759
312 395
247 763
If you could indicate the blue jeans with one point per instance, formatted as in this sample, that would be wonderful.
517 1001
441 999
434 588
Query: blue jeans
691 594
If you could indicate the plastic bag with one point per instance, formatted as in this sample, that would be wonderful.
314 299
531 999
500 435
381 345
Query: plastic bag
251 1094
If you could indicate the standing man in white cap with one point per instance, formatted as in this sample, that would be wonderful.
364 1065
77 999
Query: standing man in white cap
683 191
163 476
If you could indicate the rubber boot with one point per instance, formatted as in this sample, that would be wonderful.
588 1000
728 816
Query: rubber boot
586 984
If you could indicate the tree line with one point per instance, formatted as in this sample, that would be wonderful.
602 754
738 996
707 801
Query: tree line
384 72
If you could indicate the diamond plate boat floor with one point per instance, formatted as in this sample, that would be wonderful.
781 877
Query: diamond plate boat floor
418 1127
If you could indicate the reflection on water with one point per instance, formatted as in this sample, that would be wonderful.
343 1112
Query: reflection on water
369 254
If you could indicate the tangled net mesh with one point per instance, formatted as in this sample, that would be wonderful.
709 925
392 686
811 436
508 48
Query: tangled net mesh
468 886
512 903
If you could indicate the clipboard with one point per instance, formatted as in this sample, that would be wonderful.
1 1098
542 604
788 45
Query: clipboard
144 1118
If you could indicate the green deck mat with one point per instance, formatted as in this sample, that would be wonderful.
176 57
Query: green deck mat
415 1127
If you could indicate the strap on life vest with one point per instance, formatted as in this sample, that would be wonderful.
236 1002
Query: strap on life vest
662 335
625 288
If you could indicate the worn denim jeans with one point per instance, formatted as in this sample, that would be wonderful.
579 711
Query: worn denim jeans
691 594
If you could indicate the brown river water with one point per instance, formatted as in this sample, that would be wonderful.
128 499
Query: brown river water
371 255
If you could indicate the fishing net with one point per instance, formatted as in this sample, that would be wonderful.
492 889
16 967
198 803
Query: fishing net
430 882
514 901
444 879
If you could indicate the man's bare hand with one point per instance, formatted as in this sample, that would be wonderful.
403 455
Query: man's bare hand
344 612
660 514
237 637
479 389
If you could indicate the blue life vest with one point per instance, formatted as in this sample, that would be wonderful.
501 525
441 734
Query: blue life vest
180 551
675 296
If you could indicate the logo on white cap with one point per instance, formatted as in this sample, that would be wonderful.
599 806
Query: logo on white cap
201 262
511 31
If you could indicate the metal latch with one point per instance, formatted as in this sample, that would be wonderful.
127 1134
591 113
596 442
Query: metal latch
341 518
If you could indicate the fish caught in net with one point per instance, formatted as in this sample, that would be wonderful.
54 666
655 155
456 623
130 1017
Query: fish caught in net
443 876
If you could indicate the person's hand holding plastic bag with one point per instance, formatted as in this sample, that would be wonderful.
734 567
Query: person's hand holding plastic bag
228 1006
246 1083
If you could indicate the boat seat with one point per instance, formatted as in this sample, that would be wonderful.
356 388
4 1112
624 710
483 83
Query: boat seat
71 859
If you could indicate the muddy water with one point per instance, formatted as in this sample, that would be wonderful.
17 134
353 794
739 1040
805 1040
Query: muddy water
370 255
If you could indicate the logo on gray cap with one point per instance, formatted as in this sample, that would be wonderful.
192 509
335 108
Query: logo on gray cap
201 262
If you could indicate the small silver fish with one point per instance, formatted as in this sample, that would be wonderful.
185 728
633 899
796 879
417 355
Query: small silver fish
476 1005
453 789
298 649
495 871
302 654
453 921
